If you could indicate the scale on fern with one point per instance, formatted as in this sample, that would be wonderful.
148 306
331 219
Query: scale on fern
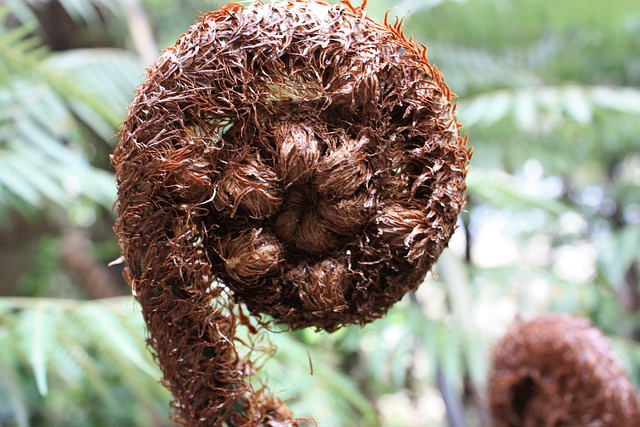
295 158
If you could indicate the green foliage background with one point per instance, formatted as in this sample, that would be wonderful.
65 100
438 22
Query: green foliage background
550 96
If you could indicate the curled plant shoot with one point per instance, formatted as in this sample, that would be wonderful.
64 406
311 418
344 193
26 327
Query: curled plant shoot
295 158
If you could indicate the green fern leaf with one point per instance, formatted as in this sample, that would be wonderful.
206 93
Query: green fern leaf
114 338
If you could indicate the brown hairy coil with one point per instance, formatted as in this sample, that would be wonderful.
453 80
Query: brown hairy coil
558 370
294 158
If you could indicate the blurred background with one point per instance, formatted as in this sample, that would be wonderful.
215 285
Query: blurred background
550 96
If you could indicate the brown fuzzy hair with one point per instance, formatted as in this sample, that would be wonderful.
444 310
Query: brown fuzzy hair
296 158
558 370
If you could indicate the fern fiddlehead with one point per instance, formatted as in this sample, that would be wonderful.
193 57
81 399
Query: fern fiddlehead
296 158
558 370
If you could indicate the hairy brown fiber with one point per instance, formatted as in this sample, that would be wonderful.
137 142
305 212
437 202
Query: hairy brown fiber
296 158
559 371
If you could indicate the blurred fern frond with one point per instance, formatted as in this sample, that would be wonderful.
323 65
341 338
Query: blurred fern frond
89 356
550 105
87 11
472 70
53 109
309 378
